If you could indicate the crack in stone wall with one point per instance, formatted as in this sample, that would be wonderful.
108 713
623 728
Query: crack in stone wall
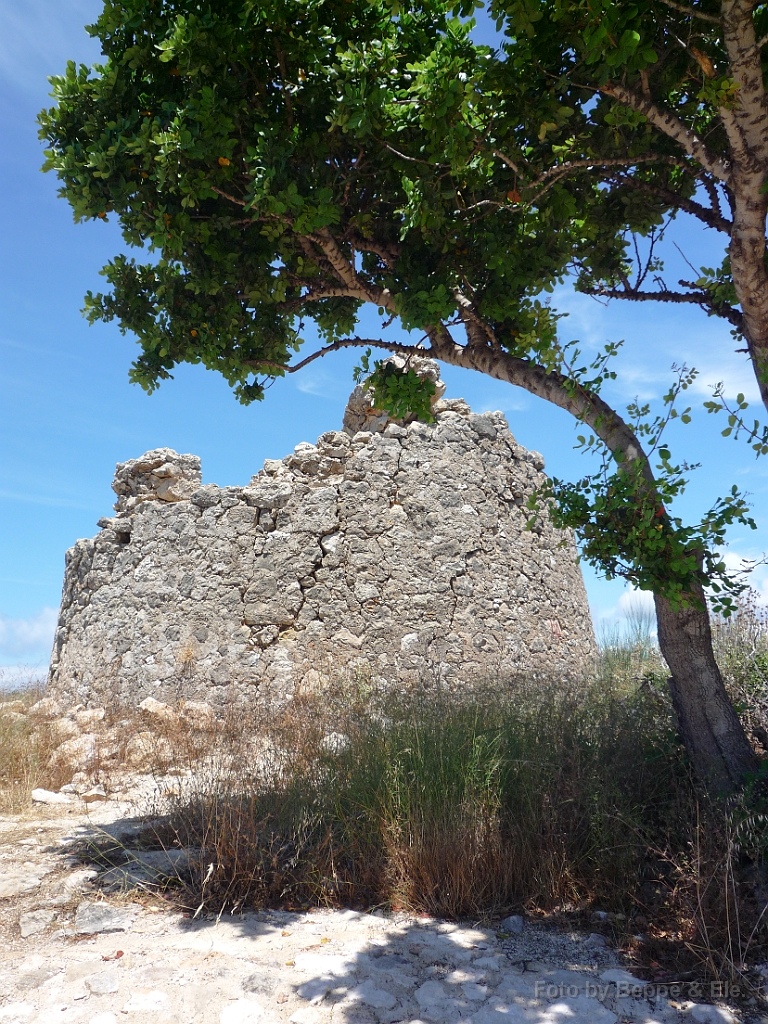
399 552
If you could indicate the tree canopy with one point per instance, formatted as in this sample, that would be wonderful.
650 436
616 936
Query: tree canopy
662 106
287 161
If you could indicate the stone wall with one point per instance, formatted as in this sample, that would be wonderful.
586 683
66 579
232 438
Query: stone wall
399 552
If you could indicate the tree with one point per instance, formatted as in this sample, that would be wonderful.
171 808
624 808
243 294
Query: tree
662 107
287 161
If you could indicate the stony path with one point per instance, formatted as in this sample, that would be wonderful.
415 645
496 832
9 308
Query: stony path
69 955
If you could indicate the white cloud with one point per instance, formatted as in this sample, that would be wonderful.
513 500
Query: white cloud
635 602
632 607
737 561
30 639
517 402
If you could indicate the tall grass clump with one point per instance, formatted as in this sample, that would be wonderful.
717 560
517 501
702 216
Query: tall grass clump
535 794
513 795
24 750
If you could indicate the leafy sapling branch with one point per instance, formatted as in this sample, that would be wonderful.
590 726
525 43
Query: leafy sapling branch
621 513
756 435
399 391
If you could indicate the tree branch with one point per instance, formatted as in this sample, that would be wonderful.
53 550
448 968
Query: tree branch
345 271
389 346
554 387
712 218
684 9
672 127
404 156
590 162
226 195
507 161
698 298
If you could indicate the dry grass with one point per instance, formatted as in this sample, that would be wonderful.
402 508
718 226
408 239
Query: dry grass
24 750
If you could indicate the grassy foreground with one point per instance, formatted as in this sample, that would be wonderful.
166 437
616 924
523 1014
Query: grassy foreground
533 795
547 797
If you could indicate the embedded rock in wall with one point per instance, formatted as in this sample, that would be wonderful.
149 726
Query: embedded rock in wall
401 553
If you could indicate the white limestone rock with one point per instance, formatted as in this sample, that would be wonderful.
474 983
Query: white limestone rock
159 475
35 921
45 796
98 918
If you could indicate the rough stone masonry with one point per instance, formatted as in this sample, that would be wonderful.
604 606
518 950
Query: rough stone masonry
397 551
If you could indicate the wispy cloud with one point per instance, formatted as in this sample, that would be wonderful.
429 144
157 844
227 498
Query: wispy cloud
321 384
29 639
517 402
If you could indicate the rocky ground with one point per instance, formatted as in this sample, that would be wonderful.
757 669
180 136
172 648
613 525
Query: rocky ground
85 944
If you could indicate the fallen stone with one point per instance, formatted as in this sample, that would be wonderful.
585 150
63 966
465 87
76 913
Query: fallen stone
146 1001
197 715
146 750
370 995
157 712
97 918
104 983
243 1011
75 754
89 717
475 993
14 717
45 796
489 963
262 983
16 1011
705 1014
15 707
310 1015
79 879
595 941
35 921
315 990
15 881
170 861
45 709
95 795
429 993
512 924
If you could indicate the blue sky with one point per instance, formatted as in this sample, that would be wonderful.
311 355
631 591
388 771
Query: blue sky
69 413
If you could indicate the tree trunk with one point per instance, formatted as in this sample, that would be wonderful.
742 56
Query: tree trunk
713 735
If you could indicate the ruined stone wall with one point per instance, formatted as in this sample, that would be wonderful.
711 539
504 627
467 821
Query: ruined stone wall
399 552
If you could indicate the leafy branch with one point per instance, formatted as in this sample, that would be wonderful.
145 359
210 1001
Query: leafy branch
756 435
623 522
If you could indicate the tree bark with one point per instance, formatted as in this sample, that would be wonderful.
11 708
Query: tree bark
713 736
